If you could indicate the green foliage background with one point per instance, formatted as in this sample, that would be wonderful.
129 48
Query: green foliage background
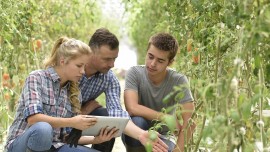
22 23
231 81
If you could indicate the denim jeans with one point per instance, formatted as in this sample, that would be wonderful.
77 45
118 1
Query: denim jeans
108 145
38 138
79 148
145 125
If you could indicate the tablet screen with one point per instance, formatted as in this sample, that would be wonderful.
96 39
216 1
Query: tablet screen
104 121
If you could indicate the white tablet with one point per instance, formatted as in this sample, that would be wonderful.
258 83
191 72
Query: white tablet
104 121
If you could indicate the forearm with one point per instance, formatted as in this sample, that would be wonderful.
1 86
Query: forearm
90 106
55 122
86 140
144 112
133 131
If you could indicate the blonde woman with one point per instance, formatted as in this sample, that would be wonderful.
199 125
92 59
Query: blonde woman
49 106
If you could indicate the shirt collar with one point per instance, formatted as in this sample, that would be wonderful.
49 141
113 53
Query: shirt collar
98 74
55 77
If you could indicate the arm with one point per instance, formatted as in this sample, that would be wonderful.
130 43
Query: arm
131 103
90 106
112 93
143 136
105 135
133 131
188 109
79 122
34 106
135 109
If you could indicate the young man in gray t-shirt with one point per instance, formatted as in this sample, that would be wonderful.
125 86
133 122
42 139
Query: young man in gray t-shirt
146 87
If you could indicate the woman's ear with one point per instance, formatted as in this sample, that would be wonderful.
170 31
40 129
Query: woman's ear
62 60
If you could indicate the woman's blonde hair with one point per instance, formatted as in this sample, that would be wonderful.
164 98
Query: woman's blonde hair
69 49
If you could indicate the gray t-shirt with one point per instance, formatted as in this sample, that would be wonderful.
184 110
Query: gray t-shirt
151 95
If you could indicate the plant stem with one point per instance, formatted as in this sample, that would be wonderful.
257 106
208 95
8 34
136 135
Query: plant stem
261 81
201 134
216 70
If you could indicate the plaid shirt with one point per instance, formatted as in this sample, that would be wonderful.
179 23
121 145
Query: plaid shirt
95 85
42 94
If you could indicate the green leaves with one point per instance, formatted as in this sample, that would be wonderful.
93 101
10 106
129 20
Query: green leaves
170 121
21 23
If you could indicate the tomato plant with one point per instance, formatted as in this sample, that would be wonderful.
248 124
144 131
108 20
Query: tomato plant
228 73
28 30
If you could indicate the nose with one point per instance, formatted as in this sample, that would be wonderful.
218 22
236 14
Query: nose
82 71
153 63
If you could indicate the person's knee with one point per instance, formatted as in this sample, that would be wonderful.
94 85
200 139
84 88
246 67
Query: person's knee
140 122
135 149
130 142
41 137
100 112
44 129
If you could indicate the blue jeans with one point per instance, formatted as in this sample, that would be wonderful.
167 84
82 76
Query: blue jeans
145 125
79 148
108 145
38 138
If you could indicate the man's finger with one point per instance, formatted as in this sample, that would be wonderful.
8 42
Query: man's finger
162 143
161 148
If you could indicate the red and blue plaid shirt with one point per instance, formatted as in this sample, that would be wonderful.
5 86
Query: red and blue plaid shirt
42 94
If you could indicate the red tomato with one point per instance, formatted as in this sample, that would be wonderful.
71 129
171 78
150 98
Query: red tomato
196 56
7 96
36 45
39 44
196 59
6 76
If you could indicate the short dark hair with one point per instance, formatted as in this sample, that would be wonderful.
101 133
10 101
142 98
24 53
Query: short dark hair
103 36
165 42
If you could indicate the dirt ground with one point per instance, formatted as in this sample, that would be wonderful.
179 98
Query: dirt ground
118 145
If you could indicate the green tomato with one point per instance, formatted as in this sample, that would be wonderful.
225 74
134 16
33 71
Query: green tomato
152 135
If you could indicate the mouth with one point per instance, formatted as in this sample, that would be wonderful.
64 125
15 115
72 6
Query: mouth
151 70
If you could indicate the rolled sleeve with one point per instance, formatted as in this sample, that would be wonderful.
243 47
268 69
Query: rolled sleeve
32 96
113 103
